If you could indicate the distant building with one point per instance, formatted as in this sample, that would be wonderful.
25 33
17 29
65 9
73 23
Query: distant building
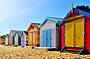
2 39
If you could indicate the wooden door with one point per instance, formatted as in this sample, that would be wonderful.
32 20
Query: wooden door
48 38
79 33
69 34
44 38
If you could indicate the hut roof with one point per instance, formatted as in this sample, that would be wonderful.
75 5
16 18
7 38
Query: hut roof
78 11
34 25
52 19
16 31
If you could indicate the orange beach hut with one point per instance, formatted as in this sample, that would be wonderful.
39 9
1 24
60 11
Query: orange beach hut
33 34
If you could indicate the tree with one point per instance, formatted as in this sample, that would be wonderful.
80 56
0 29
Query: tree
84 8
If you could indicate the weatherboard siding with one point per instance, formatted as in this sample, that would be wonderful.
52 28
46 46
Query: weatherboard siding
48 35
33 36
87 41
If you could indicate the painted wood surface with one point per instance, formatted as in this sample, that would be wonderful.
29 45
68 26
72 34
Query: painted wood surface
2 39
23 40
11 37
33 34
16 40
74 33
48 38
87 34
19 40
62 36
69 34
7 39
79 33
15 37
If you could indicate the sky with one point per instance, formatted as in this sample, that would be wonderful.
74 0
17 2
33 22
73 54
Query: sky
18 14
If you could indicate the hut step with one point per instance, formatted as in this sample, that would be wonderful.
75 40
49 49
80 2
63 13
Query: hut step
76 52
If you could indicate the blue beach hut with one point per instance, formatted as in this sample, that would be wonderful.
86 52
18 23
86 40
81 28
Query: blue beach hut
50 33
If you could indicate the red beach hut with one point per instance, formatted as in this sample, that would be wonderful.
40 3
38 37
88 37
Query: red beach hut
76 31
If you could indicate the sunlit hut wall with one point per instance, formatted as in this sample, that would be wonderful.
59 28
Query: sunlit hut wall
2 39
26 33
7 39
76 31
15 37
50 33
34 34
23 39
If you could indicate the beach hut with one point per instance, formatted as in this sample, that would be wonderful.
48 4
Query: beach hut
15 37
50 33
33 34
23 39
75 31
7 39
11 39
2 39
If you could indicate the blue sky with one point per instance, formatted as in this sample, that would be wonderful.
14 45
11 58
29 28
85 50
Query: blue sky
18 14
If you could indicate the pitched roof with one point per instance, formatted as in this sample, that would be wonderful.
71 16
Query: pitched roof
52 19
79 12
16 31
34 24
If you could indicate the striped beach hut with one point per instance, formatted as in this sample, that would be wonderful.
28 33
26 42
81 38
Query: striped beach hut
15 37
7 39
76 31
23 39
50 33
34 34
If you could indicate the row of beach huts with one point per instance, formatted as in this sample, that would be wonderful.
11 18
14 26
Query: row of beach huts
71 33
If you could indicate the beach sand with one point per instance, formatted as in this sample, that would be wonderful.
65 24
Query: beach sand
8 52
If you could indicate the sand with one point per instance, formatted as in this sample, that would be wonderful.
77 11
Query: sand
7 52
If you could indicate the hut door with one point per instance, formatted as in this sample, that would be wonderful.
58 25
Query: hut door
19 40
44 38
48 38
31 37
34 38
69 34
79 33
16 39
